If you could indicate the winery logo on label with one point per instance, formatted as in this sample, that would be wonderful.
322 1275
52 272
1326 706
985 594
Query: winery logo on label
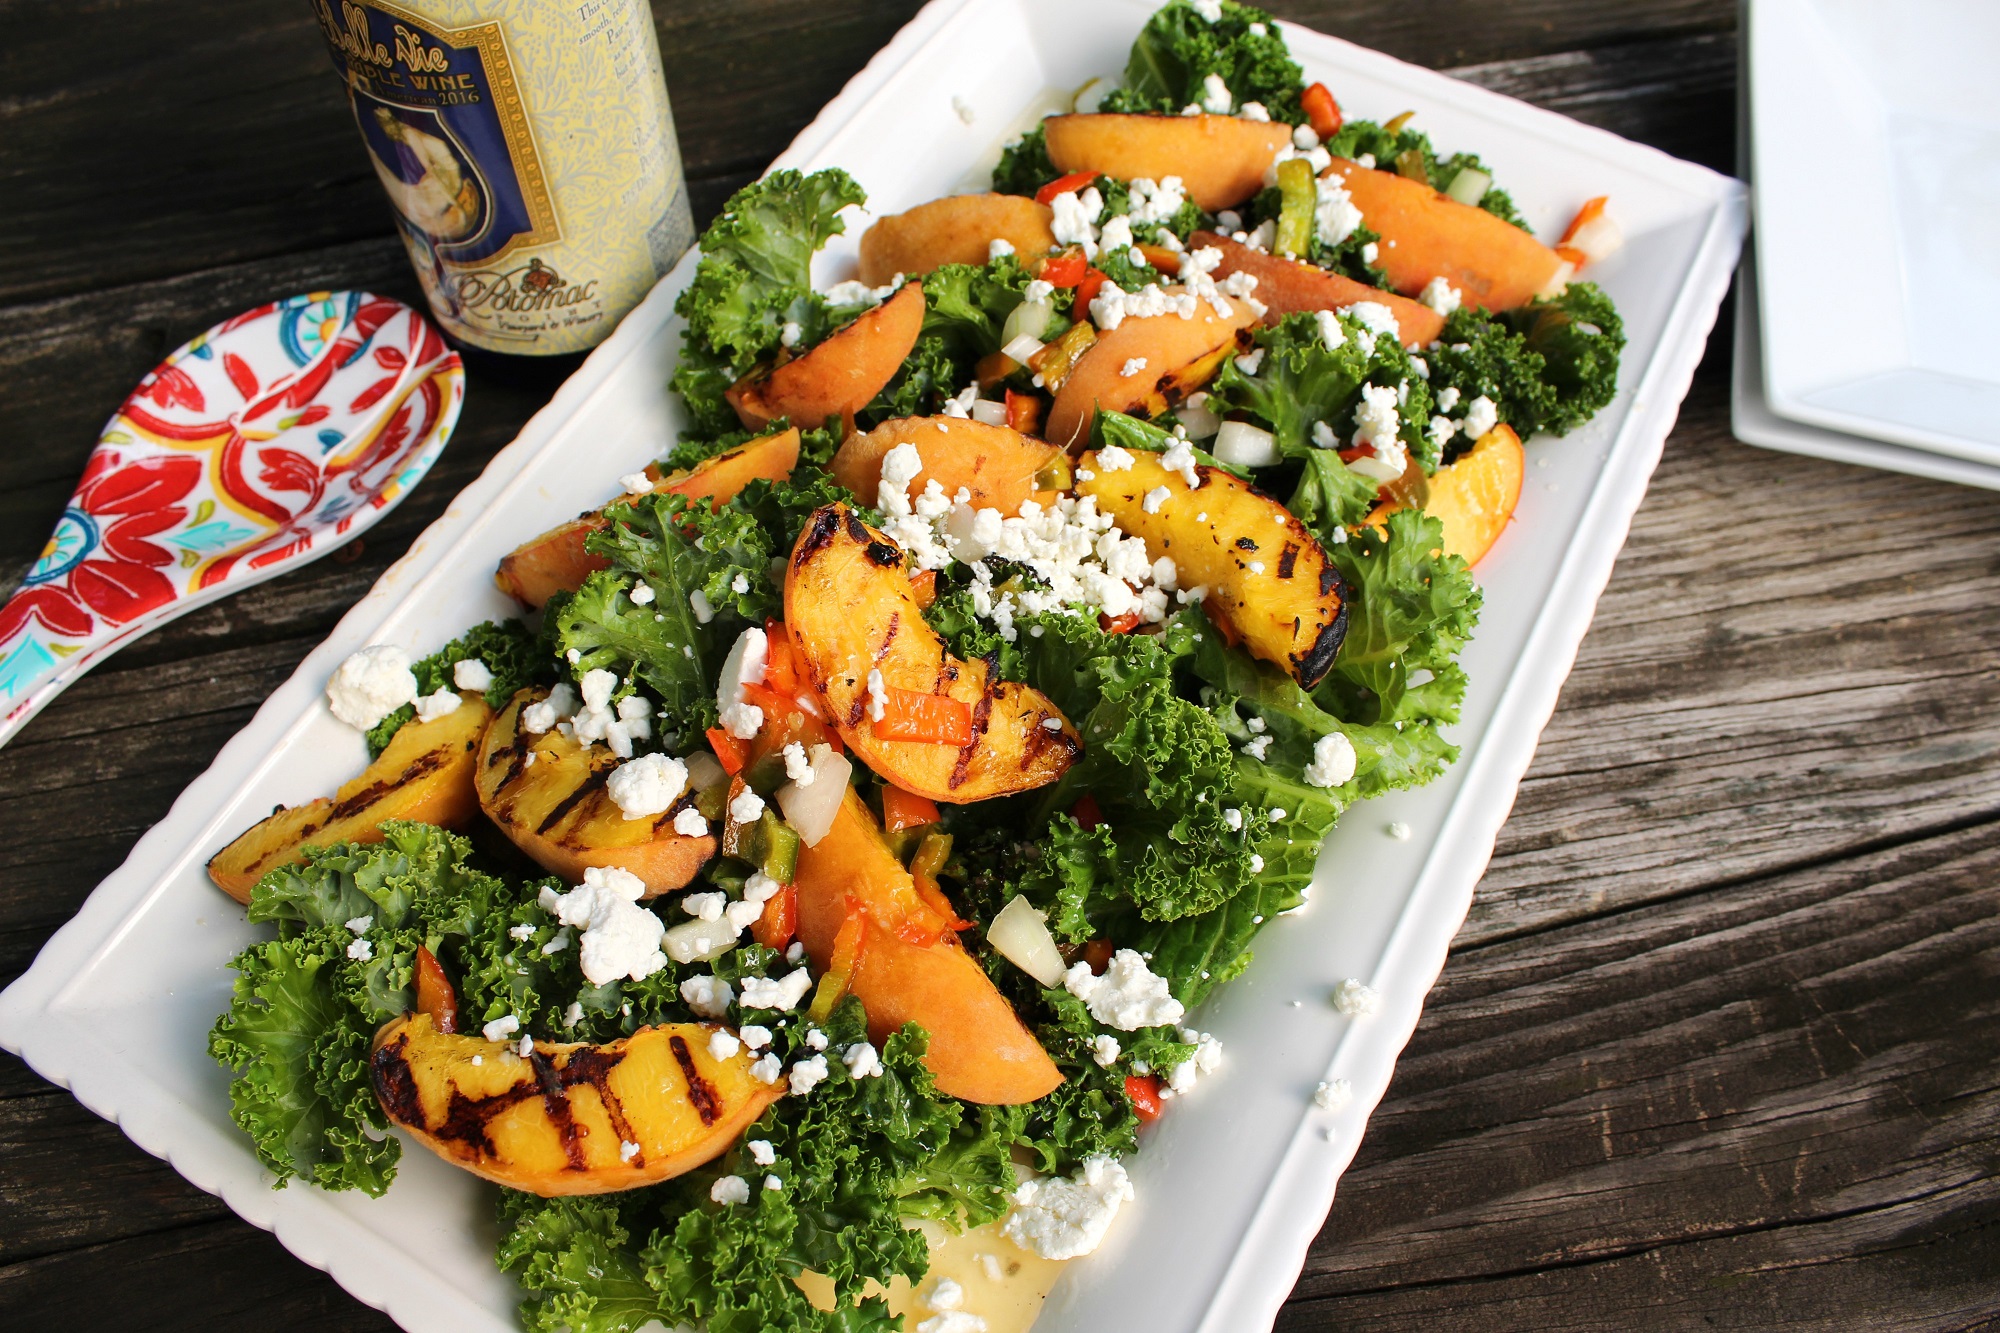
447 131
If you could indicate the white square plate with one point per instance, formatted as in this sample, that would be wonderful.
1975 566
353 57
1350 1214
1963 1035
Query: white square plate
1753 421
1233 1185
1876 134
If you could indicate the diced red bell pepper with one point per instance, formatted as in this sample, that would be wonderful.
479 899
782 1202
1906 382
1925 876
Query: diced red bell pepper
1064 268
1024 412
1591 210
902 809
1069 184
1322 112
1086 292
435 995
908 715
1124 624
1143 1091
728 750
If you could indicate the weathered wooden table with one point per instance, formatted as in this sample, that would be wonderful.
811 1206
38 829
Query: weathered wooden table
1713 1048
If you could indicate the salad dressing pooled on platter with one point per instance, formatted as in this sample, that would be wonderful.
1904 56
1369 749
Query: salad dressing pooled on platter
997 1280
528 153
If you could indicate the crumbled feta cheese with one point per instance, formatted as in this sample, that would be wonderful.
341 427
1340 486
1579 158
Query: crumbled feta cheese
878 696
1207 1058
558 943
359 924
862 1060
1208 9
1128 996
469 673
944 1295
690 824
1132 367
783 993
1304 138
723 1045
619 937
572 1015
1251 361
524 931
816 1039
953 1321
1111 458
370 685
743 666
798 766
774 1182
807 1075
1154 203
1233 817
1155 498
709 996
729 1191
1257 746
704 906
747 808
1060 1218
539 717
636 483
1105 1049
1481 416
647 786
642 594
1447 398
761 1152
1253 111
755 1036
1332 761
997 247
1256 864
501 1028
1334 215
1365 160
360 950
1215 96
767 1068
1333 1094
1399 831
1356 998
790 333
1074 219
1440 296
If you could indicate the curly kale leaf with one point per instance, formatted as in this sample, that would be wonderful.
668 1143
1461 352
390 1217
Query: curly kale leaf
852 1160
966 305
754 278
709 575
302 1018
1178 49
1550 365
1024 166
929 375
507 647
1301 382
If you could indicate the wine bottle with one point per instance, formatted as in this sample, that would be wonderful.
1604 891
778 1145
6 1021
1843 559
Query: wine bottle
527 148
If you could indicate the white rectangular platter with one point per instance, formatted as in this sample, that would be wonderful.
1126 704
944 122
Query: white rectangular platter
1234 1184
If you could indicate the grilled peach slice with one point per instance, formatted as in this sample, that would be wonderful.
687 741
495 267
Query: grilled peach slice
910 968
958 229
547 793
840 376
1171 356
1221 160
557 562
1494 264
1268 579
1474 497
424 774
1287 286
997 465
851 612
569 1118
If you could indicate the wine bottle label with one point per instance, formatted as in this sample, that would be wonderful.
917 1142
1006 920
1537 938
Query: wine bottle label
528 151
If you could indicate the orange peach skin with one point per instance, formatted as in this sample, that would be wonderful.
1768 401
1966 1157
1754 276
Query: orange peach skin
1473 498
840 376
979 1048
1288 286
1165 342
959 229
554 1124
995 464
1221 160
1494 264
557 562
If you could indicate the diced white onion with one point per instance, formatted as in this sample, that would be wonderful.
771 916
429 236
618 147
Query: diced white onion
991 411
1558 282
1240 444
703 771
1022 349
1196 419
1373 468
1022 937
1469 186
810 809
1029 319
1598 239
1091 96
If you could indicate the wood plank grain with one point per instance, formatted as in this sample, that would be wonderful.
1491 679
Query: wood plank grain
220 1277
1800 1058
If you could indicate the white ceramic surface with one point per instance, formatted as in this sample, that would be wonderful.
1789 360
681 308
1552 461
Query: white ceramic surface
1876 133
1753 421
1234 1183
